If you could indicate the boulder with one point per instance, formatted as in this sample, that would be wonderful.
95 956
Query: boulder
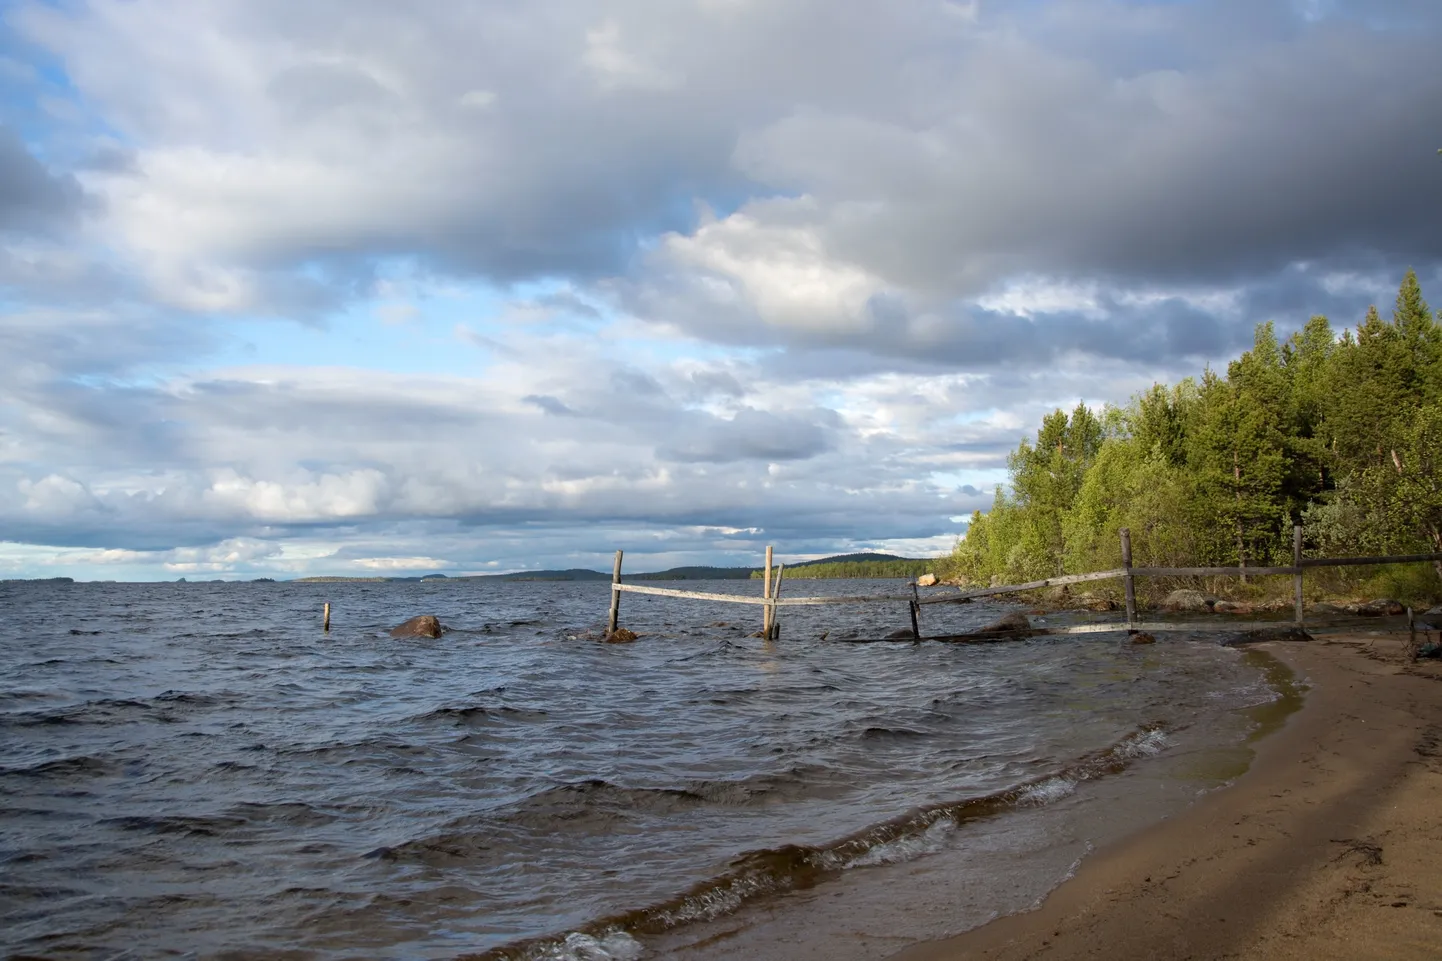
926 580
619 636
1279 633
1015 621
426 625
1378 608
1093 602
1232 607
1184 600
1142 637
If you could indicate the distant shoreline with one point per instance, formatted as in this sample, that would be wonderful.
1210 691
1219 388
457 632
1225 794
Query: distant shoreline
866 566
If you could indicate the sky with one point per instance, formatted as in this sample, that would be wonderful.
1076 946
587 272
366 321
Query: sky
353 287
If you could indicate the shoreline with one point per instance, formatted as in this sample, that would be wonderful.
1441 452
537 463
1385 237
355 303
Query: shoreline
1329 846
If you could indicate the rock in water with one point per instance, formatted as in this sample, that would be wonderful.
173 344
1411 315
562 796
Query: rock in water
1279 633
1093 602
1142 637
898 635
1232 607
1015 621
620 636
1379 608
426 625
1185 600
926 580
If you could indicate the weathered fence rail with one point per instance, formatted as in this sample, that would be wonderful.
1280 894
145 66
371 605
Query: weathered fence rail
770 599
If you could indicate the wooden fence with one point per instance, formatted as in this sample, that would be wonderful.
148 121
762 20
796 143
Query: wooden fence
771 600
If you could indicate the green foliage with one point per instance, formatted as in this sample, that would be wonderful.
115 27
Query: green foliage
901 567
1342 434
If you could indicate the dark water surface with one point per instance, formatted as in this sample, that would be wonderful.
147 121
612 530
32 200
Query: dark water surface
195 770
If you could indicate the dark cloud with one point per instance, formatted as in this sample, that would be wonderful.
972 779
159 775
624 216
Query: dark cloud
550 405
754 435
34 199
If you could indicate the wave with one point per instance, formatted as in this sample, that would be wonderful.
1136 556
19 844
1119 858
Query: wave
164 707
188 825
480 714
82 766
792 867
598 805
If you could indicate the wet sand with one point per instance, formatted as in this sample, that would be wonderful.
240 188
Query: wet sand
1330 846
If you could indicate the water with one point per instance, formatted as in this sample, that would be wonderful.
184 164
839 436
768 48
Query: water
195 770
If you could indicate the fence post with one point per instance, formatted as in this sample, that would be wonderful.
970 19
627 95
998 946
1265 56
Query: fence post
767 610
1297 563
1131 584
915 610
615 596
325 618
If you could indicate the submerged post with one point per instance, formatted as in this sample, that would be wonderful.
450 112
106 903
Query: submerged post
1131 584
325 618
1297 563
615 596
767 610
915 610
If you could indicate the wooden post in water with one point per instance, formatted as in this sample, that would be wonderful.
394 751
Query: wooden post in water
325 618
615 596
1297 563
915 610
1131 584
768 609
776 593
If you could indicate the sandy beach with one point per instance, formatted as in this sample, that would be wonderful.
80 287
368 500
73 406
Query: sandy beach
1330 846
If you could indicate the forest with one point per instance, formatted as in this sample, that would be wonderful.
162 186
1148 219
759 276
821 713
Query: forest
1341 434
875 568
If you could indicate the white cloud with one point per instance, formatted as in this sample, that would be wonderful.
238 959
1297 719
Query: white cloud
616 67
782 270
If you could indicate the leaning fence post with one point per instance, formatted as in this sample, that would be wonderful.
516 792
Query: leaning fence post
767 610
1131 586
915 610
615 596
775 631
1297 577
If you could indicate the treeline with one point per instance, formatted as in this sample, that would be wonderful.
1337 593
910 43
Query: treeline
901 567
1340 434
